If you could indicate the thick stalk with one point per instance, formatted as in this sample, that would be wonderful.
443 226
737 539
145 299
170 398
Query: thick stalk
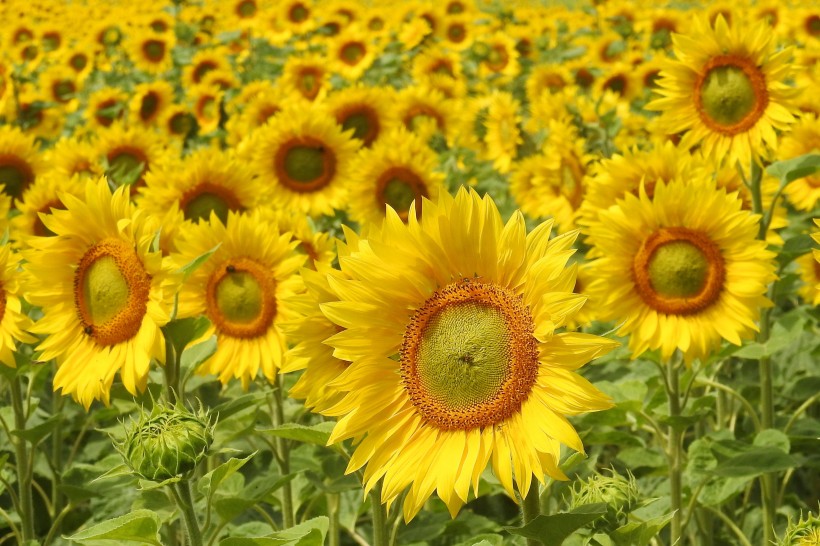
23 464
333 512
380 533
182 495
283 458
57 456
171 370
767 481
674 450
531 509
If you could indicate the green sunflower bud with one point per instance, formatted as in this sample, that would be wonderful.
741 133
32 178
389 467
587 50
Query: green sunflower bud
802 533
167 443
620 495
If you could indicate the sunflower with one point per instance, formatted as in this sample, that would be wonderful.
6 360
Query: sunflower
61 86
103 291
178 122
503 130
128 154
726 90
150 51
260 108
364 110
20 161
105 106
203 62
242 290
40 197
531 186
304 159
501 58
351 53
397 171
79 58
307 75
317 246
150 101
457 32
448 323
545 80
206 105
74 156
297 15
13 321
804 138
432 61
426 112
682 271
208 181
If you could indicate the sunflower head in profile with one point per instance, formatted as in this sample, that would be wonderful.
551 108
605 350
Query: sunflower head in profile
242 290
683 270
451 326
726 90
304 160
104 293
14 323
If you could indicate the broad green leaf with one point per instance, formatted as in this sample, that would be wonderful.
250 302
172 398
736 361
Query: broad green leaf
183 331
790 170
640 534
36 434
554 529
188 269
773 438
140 526
210 482
317 434
752 351
195 355
754 462
637 457
309 533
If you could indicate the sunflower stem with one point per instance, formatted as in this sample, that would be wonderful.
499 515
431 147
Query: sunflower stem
767 481
182 495
284 454
333 511
380 531
531 509
24 488
674 450
171 370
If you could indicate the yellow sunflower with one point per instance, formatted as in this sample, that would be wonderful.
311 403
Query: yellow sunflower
20 161
208 181
203 62
726 90
242 290
307 75
426 111
129 153
449 324
682 271
351 53
150 101
317 246
71 156
105 107
364 110
13 322
397 171
206 101
40 197
104 293
150 51
260 108
804 138
304 160
503 130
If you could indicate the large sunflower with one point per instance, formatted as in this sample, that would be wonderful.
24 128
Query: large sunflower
726 90
683 270
241 289
304 159
103 291
449 323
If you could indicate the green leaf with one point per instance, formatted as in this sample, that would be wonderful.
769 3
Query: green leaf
773 438
553 530
317 434
640 534
36 434
140 526
188 269
210 482
637 457
790 170
754 462
309 533
197 354
183 331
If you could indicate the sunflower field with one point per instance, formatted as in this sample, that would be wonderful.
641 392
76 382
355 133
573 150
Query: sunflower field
410 273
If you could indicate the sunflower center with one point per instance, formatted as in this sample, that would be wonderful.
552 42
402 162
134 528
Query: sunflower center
111 290
15 175
78 61
40 229
154 50
364 123
126 166
498 58
148 106
241 298
198 203
298 13
468 356
731 94
305 164
181 123
63 90
246 8
456 32
679 271
352 53
399 187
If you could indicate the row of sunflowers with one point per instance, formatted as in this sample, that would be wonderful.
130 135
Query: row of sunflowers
467 273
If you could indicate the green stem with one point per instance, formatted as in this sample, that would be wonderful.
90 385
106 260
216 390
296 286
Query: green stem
182 495
333 511
283 459
730 524
767 482
531 509
380 533
171 370
674 450
24 489
57 456
737 396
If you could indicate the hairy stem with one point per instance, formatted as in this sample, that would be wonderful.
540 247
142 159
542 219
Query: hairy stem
24 488
674 450
531 509
182 495
283 458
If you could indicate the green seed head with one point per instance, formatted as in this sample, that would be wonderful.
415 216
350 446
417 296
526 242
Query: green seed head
803 532
620 495
167 443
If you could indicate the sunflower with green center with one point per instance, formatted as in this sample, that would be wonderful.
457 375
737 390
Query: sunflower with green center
304 160
242 290
13 322
726 89
103 290
450 327
20 161
397 171
683 270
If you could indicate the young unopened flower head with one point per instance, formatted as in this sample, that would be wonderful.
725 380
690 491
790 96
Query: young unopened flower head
167 443
620 495
802 532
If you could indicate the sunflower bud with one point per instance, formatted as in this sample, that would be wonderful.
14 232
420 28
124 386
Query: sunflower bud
802 533
167 443
620 495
